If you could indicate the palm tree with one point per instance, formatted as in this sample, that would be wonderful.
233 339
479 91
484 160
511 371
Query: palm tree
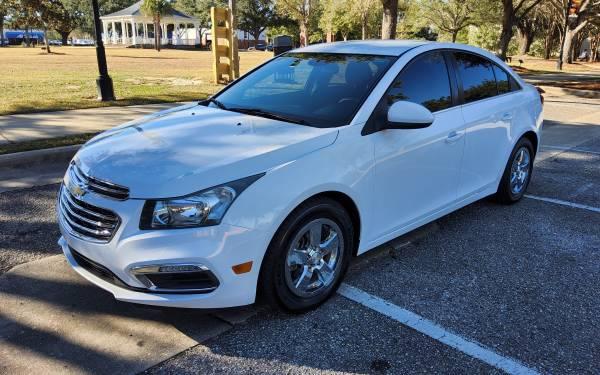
156 9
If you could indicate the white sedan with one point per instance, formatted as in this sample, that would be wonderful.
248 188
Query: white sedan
268 189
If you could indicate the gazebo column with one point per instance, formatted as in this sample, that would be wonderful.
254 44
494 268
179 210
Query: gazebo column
104 32
196 34
133 33
145 31
123 32
114 32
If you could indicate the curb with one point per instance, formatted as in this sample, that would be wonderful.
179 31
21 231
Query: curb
30 158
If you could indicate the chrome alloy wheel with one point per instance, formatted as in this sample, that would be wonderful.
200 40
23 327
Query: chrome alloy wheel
519 171
314 258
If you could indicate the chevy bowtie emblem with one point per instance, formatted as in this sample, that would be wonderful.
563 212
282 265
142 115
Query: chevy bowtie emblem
78 190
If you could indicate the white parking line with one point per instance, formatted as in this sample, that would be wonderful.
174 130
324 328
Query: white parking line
576 149
564 203
429 328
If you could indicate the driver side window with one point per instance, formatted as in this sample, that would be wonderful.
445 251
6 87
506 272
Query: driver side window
424 81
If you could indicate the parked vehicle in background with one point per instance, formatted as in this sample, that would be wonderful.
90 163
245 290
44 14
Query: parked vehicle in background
269 47
82 42
281 44
55 42
269 188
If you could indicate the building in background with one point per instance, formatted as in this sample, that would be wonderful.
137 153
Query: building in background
131 27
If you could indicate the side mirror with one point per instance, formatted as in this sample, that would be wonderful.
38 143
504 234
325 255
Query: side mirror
408 115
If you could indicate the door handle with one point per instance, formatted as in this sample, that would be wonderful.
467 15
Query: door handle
454 136
506 116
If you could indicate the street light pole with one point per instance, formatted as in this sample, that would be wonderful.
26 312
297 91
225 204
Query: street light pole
559 63
103 82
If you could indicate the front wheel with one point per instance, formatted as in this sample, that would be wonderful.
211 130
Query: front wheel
308 256
517 173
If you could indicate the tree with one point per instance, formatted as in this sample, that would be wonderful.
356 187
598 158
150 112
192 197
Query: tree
589 11
4 9
41 14
450 16
512 14
390 19
156 9
68 18
304 12
254 16
363 9
338 17
200 9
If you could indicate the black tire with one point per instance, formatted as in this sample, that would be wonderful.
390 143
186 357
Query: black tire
505 193
273 289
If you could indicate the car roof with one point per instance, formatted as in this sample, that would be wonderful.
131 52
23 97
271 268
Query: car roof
364 47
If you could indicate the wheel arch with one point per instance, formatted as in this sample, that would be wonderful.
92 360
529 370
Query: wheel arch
533 138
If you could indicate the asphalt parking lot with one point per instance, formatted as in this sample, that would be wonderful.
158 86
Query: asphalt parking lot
494 288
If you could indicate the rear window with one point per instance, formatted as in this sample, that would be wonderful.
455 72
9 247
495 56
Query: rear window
477 77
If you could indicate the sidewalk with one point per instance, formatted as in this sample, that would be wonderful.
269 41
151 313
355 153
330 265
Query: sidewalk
32 126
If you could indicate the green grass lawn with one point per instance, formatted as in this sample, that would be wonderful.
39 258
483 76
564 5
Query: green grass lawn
33 81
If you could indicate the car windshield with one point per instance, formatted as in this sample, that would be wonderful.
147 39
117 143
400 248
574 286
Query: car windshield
314 89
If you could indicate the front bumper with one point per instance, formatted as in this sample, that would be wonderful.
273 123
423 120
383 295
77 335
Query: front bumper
217 248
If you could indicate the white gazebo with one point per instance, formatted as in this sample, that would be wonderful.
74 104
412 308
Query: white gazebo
130 27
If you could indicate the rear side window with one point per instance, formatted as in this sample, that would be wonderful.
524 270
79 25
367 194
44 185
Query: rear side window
477 77
424 81
502 80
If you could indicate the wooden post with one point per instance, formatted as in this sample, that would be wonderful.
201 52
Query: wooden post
235 57
221 45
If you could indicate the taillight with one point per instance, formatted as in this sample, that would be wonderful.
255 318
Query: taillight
541 91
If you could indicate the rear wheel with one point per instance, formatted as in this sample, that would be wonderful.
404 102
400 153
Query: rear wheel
517 173
308 256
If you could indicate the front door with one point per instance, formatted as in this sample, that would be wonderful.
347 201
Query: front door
417 170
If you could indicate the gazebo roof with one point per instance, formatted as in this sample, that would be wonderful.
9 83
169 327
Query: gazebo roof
135 10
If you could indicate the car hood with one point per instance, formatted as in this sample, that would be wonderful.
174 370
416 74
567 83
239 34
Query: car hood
193 147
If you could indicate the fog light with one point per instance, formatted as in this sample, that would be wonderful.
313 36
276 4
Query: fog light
181 278
182 268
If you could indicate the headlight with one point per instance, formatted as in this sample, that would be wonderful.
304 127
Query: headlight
204 208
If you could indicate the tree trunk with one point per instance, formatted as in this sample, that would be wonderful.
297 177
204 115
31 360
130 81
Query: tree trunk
548 47
303 34
568 41
64 36
157 33
508 20
390 19
525 40
46 40
27 37
454 36
363 29
2 29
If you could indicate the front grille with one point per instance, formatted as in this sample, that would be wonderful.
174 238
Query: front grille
85 220
95 185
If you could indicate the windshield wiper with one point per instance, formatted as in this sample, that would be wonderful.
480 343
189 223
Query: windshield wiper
215 101
262 113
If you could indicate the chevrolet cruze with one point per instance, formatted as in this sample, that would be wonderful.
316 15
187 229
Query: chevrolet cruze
268 189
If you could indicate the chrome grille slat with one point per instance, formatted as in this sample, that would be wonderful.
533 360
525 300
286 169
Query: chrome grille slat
91 222
98 186
94 185
89 212
78 220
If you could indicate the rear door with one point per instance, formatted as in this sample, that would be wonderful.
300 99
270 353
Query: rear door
488 111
